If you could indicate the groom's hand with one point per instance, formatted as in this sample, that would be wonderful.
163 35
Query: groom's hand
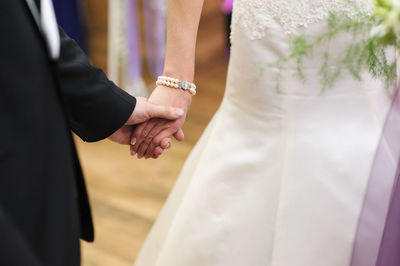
149 135
144 111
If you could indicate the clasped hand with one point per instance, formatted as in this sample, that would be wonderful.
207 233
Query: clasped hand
154 121
151 137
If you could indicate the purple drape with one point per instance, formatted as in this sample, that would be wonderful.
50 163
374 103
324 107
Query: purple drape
227 6
389 253
155 34
133 39
377 241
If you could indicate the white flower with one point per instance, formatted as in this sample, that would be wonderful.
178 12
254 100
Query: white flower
380 31
388 12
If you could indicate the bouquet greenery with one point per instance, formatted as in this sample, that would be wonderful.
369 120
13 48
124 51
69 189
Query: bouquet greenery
387 31
373 33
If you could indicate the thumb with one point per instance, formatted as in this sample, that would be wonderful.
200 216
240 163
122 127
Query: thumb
170 113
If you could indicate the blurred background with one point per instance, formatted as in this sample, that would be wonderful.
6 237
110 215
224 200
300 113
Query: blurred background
127 194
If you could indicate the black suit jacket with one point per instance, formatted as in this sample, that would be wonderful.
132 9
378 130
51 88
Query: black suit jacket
44 206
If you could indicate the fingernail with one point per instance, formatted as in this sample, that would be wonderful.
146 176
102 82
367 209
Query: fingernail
133 141
168 146
133 153
179 112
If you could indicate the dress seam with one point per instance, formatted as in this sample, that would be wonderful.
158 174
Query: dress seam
283 176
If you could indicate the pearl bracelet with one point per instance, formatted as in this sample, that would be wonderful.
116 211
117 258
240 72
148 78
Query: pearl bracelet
177 84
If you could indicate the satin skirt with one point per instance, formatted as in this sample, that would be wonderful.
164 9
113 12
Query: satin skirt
279 176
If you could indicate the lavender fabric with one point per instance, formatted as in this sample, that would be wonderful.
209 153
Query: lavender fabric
227 6
155 34
389 254
133 39
377 240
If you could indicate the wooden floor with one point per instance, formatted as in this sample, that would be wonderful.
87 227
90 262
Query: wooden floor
126 193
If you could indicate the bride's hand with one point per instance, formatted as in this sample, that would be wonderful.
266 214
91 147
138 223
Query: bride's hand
149 135
158 151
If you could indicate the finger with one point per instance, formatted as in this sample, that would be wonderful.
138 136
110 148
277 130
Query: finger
179 136
145 131
166 143
136 134
133 152
167 133
147 147
158 151
142 150
160 126
150 150
165 112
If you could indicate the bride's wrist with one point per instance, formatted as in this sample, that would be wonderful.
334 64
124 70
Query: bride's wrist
176 83
184 72
173 97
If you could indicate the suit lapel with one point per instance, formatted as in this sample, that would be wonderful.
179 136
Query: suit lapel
33 7
37 3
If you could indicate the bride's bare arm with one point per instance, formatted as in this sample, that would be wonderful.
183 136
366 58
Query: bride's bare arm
182 24
183 18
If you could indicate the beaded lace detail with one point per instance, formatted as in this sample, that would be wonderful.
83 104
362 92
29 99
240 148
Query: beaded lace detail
255 15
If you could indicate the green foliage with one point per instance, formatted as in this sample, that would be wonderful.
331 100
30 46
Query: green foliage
366 52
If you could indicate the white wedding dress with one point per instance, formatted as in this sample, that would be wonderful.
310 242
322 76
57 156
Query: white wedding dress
278 177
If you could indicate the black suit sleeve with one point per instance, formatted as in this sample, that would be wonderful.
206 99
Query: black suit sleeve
13 248
96 106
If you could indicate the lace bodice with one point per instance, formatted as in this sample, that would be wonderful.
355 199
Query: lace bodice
255 15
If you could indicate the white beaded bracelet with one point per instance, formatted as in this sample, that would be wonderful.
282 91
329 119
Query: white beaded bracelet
177 84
